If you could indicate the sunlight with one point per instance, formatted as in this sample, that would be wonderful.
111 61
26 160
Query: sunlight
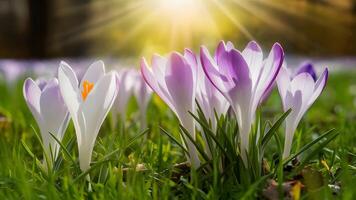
175 9
176 24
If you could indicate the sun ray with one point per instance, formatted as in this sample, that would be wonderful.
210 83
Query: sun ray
95 27
133 32
276 23
70 10
185 19
105 19
291 10
233 19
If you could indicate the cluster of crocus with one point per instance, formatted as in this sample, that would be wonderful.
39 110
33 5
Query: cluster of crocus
229 79
87 102
243 79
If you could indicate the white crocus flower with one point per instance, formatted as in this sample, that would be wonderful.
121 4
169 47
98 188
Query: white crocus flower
88 103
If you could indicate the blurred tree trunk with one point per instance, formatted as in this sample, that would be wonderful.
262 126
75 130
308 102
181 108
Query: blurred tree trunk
38 18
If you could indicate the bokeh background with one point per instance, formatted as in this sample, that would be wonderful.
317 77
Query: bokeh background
129 29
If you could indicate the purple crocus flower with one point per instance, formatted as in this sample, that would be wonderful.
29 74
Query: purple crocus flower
126 80
243 78
143 95
45 101
304 67
298 92
210 99
174 80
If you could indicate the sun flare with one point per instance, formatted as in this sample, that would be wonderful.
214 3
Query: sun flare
179 8
176 24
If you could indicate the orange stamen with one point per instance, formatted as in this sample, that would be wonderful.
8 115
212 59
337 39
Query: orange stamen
87 87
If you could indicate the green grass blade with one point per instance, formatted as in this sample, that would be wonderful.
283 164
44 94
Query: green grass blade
307 146
197 146
64 149
174 140
274 129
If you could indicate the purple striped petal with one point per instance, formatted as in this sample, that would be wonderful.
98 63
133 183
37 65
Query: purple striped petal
271 68
211 70
156 81
308 68
319 86
180 83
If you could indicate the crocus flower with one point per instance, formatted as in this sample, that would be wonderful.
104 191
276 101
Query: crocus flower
210 99
12 70
88 103
126 80
305 67
45 101
174 80
243 78
298 92
143 95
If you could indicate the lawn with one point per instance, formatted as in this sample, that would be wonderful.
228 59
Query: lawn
131 163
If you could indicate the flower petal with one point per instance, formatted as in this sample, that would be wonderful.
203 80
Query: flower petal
283 83
152 79
97 105
180 83
269 72
41 82
191 58
254 57
32 94
68 84
241 82
293 101
222 47
94 73
303 82
212 72
308 68
319 86
55 114
53 108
